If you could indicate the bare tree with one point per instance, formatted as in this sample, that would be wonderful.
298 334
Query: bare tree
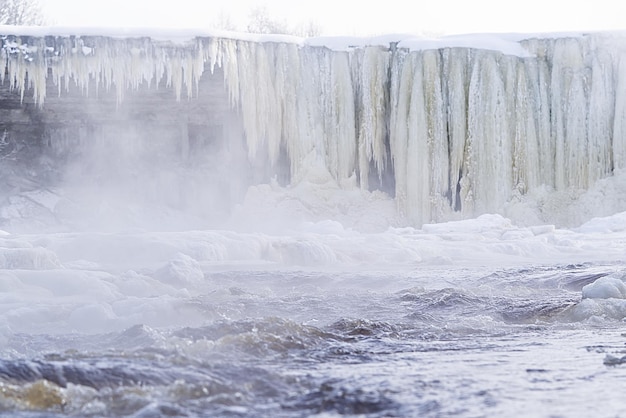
224 22
260 22
21 12
308 30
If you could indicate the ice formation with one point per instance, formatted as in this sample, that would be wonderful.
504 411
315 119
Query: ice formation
605 288
460 129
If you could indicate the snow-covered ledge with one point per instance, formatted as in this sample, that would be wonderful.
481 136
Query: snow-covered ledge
126 59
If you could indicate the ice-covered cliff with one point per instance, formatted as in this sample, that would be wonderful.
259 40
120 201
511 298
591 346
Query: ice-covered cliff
452 128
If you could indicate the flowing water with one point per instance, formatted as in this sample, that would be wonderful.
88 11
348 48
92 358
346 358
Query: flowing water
102 337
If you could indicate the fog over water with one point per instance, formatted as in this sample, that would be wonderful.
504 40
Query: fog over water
426 232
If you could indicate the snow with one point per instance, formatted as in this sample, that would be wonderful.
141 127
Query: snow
499 43
172 35
27 258
180 271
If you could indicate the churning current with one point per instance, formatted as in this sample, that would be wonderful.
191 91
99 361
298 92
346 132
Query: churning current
471 318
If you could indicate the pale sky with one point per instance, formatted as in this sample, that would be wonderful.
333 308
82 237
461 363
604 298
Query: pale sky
352 17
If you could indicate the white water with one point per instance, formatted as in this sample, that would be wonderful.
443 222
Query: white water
468 317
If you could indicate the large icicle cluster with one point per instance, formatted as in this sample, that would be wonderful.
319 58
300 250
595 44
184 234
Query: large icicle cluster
102 62
460 129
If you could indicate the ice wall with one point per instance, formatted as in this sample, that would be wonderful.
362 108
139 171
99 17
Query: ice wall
461 129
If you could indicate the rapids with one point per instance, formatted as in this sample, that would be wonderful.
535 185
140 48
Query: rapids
471 318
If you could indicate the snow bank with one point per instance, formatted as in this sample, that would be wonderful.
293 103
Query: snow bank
181 271
615 223
489 42
28 258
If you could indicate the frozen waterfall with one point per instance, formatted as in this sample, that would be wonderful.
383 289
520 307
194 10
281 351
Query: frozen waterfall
451 129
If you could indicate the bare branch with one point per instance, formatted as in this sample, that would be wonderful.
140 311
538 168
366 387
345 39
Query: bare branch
21 12
260 22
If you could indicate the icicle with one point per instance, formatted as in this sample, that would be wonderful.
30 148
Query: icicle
342 144
269 102
619 123
401 79
248 95
409 139
372 126
212 54
489 165
536 101
456 63
437 134
526 149
601 113
310 111
288 85
569 106
126 64
418 173
231 70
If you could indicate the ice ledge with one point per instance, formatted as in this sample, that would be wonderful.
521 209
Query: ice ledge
124 59
506 43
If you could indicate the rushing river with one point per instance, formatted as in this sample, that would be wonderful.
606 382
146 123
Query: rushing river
469 319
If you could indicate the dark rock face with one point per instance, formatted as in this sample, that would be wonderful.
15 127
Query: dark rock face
73 114
148 147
